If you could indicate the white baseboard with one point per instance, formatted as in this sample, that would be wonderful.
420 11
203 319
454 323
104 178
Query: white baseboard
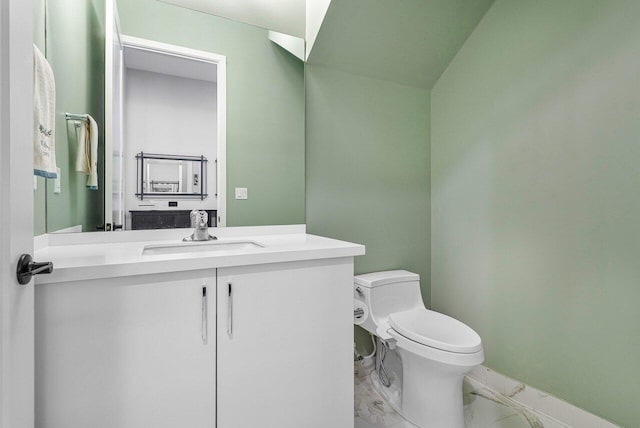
536 400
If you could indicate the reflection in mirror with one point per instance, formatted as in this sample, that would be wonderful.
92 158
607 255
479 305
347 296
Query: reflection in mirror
168 176
71 36
264 111
287 16
174 103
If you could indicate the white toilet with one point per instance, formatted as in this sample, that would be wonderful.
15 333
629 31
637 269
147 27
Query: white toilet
435 351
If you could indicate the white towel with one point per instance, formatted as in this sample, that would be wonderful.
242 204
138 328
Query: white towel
87 157
44 117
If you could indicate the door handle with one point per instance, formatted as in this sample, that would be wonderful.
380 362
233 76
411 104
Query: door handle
28 268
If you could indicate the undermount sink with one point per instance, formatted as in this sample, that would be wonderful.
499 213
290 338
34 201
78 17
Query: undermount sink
200 247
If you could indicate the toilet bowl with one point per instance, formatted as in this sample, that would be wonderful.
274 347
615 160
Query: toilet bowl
435 350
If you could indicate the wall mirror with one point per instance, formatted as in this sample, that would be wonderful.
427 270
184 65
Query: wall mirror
171 78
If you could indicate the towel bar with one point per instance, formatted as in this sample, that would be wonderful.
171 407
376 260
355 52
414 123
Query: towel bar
80 117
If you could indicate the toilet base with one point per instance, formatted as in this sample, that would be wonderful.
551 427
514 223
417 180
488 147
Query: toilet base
431 392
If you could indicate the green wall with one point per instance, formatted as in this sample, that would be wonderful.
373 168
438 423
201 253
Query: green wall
368 169
536 197
75 50
265 107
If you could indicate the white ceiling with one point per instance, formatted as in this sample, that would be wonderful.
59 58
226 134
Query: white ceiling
284 16
140 59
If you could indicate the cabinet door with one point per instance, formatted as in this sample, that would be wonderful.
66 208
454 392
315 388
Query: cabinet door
285 338
127 352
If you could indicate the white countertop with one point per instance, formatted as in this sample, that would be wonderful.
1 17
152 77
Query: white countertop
95 255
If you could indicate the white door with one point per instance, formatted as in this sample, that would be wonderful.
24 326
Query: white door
285 337
114 90
16 216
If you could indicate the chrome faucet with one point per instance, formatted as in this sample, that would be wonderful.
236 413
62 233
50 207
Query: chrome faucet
200 224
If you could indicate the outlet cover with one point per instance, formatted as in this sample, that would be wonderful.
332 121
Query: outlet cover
241 193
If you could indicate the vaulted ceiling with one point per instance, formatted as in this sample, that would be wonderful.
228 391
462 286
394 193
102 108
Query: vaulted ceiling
405 41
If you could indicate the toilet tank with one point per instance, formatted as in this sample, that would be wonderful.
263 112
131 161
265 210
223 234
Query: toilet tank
387 292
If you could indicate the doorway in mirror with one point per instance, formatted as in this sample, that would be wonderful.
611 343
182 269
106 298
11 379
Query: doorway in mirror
167 100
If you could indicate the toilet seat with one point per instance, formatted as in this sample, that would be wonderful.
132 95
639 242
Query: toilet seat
436 330
434 354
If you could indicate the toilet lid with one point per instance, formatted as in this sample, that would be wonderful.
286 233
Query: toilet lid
436 330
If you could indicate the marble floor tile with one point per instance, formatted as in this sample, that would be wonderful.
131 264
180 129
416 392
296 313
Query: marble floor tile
483 408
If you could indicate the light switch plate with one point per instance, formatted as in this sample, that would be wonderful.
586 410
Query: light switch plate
56 186
241 193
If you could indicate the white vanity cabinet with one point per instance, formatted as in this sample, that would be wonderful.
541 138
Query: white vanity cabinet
285 339
127 352
258 337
